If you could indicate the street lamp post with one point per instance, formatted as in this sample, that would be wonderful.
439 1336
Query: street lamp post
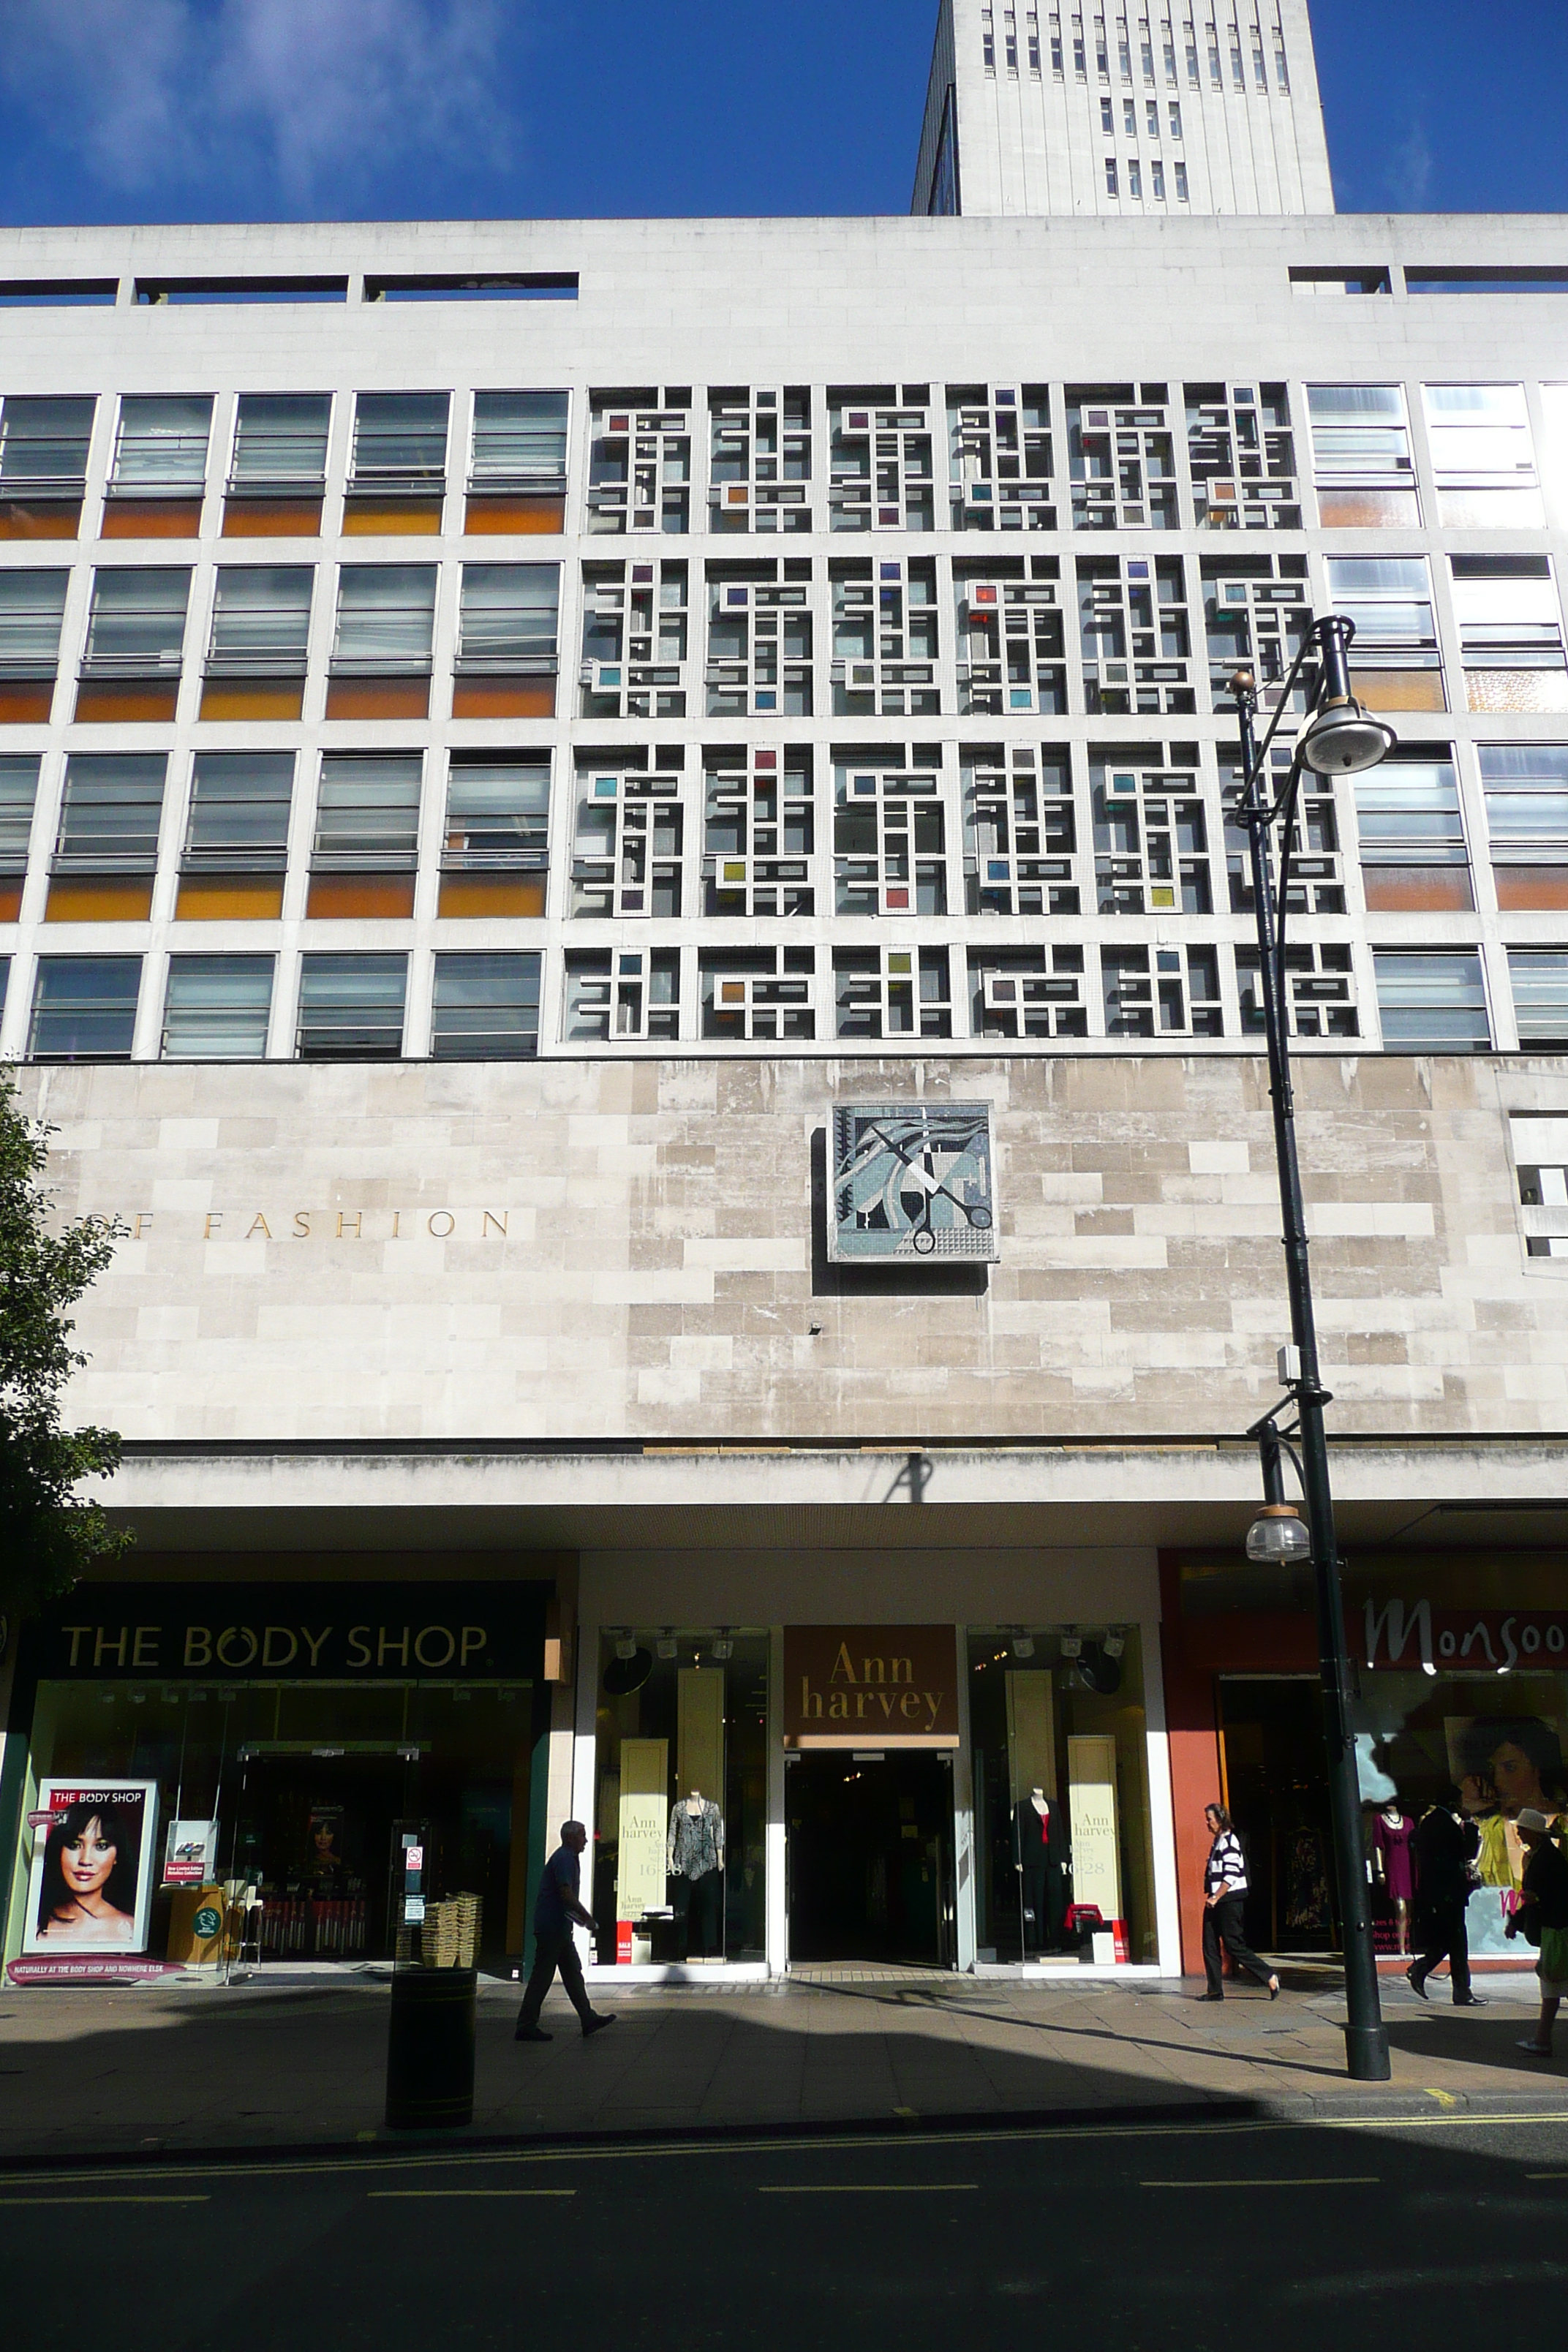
1339 738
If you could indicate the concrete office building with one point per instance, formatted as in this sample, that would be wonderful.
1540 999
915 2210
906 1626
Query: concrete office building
614 857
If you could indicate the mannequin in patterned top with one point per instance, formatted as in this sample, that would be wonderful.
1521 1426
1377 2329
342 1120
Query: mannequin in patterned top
694 1857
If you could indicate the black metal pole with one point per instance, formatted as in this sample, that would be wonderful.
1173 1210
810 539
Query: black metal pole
1366 2042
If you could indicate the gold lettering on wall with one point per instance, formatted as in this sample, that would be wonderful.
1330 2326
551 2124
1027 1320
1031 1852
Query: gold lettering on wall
258 1224
476 1223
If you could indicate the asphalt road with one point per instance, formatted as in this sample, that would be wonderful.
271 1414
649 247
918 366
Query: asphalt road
1448 2232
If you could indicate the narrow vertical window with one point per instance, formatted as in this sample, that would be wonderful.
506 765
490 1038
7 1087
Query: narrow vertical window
1176 118
1135 180
1110 186
988 40
1181 184
1157 179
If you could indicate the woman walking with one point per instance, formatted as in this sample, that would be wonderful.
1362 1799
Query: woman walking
1543 1916
1224 1891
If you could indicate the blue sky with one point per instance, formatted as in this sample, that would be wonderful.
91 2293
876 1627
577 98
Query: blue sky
245 110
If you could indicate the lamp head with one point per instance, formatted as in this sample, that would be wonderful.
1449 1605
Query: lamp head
1343 739
1278 1534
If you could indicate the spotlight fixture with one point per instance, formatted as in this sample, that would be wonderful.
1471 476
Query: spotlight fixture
667 1645
1023 1646
722 1648
1114 1645
1072 1645
626 1647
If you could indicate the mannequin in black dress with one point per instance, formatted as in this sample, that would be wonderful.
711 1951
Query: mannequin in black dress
1039 1853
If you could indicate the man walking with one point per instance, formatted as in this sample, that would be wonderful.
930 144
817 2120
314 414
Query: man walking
1445 1846
559 1904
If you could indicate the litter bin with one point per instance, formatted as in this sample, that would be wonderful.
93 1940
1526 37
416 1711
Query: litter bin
431 2049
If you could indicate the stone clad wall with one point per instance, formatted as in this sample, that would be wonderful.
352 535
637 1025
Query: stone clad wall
579 1249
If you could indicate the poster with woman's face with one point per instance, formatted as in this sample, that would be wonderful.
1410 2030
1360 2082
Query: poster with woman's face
91 1881
1501 1763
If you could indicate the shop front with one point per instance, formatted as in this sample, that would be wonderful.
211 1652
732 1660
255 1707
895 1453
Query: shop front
797 1791
320 1774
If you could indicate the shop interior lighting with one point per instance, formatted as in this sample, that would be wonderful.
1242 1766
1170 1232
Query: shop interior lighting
626 1646
1114 1645
1072 1645
1023 1646
667 1645
722 1648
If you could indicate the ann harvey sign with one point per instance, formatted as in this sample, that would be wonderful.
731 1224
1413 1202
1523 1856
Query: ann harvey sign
870 1686
282 1632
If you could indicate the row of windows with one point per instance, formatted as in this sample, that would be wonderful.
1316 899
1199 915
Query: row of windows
1133 167
1009 833
886 629
354 1007
910 457
1212 39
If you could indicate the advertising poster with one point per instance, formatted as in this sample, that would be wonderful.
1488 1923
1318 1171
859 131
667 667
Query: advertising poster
91 1882
190 1854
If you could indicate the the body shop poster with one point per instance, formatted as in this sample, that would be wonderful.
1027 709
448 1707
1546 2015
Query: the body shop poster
91 1881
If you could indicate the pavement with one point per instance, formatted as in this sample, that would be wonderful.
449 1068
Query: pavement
299 2063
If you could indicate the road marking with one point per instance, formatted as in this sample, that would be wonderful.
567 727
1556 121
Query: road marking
1303 2180
470 2192
1546 2175
868 2188
102 2197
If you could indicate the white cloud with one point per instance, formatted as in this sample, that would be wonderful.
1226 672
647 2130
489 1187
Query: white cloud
1410 165
305 99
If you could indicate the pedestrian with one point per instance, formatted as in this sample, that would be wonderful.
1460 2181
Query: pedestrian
1225 1892
1543 1917
1446 1843
558 1906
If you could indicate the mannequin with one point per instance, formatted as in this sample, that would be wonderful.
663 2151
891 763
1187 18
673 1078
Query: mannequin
694 1857
1039 1855
1394 1862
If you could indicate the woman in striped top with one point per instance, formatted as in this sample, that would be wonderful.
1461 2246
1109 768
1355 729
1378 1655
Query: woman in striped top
1225 1892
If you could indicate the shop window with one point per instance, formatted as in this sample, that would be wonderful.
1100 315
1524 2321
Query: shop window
1510 633
879 450
759 469
217 1008
1162 992
890 832
367 834
1414 860
136 641
894 993
1000 458
260 633
237 837
1362 463
397 473
159 474
506 658
629 838
1395 661
1028 992
1242 453
624 997
1010 637
44 444
517 466
1020 831
759 832
1432 1002
1062 1841
485 1008
746 996
1320 992
350 1008
760 642
278 470
106 848
1134 636
635 637
382 653
84 1008
679 1828
1483 456
18 794
1122 452
1538 978
32 606
885 639
640 461
1526 787
1151 832
495 850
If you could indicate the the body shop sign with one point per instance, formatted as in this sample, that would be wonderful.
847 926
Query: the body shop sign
870 1686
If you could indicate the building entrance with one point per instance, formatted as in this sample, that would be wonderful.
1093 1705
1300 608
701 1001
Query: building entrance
319 1836
871 1857
1271 1730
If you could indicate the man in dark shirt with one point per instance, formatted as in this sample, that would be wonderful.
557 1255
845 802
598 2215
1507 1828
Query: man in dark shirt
553 1949
1446 1843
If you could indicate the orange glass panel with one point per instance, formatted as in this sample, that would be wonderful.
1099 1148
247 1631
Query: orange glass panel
503 697
21 521
230 898
1417 890
378 698
1520 887
10 897
516 517
1363 509
492 894
256 698
146 699
272 519
25 701
1399 690
392 517
99 899
384 895
152 518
